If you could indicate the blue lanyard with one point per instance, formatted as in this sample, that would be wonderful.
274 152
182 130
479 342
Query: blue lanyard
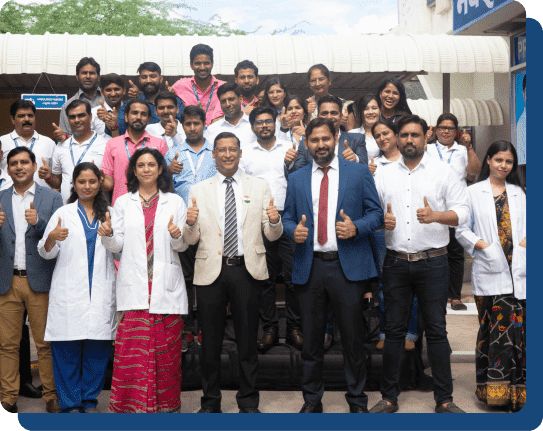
128 152
210 96
31 146
441 157
84 152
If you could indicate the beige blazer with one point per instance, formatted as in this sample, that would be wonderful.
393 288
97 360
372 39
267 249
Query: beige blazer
208 229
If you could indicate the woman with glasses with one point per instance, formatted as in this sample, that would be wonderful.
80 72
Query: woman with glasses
464 161
392 100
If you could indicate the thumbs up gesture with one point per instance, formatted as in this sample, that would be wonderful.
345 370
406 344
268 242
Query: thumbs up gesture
111 119
372 166
175 167
301 232
2 216
170 129
133 91
345 229
348 154
59 134
105 228
102 111
175 233
272 212
45 170
168 87
426 215
311 105
31 215
249 108
390 219
59 233
291 154
192 213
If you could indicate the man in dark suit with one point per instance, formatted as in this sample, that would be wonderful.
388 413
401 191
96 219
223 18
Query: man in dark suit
333 259
25 210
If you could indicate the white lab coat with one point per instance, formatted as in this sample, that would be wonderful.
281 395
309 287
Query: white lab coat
169 294
490 273
74 313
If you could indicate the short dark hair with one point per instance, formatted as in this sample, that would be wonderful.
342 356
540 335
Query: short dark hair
133 102
447 116
408 119
388 123
76 104
275 80
21 104
320 67
166 95
402 103
84 62
164 181
225 88
300 100
201 49
150 66
331 99
319 122
18 150
262 110
193 111
100 201
498 146
225 135
111 78
245 64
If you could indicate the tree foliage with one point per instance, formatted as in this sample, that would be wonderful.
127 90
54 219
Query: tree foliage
111 17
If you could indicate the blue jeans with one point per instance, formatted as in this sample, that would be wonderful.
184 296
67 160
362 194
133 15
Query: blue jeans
429 280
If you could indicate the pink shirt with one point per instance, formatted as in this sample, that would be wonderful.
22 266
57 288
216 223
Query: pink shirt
116 160
184 90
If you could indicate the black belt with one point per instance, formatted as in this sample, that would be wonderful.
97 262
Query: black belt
421 255
326 255
19 272
233 261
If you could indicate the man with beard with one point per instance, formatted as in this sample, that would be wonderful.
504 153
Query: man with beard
137 113
235 120
424 195
202 88
87 73
190 163
246 78
333 259
150 81
169 128
23 118
104 117
264 159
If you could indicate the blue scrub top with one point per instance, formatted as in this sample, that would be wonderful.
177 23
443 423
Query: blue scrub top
91 231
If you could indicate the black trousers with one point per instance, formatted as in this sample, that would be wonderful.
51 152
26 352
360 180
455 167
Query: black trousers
455 255
327 283
188 258
279 252
236 285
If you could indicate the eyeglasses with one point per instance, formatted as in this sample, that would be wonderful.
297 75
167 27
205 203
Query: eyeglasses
317 80
260 122
445 129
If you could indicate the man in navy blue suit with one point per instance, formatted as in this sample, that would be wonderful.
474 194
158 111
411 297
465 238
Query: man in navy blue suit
331 207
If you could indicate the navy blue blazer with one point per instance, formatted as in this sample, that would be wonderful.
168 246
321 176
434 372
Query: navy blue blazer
359 200
38 270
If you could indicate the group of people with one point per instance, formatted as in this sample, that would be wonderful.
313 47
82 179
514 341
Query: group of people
214 192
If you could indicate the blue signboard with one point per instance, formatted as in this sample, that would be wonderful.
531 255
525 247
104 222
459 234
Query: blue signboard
468 12
46 101
520 49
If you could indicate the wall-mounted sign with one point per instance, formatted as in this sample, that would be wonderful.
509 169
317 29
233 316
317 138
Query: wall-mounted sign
520 49
468 12
46 101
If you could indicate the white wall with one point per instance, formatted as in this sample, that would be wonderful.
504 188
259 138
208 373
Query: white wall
416 17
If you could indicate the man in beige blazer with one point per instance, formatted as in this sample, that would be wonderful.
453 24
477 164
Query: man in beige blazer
230 265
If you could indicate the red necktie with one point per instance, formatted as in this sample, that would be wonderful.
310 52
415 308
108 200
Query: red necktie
322 232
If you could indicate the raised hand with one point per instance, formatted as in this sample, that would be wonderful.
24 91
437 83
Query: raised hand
272 212
249 108
170 129
133 91
390 219
175 167
522 243
2 216
430 133
59 134
301 232
45 171
59 233
372 166
348 154
175 233
111 119
311 105
425 215
105 228
465 139
102 112
168 87
192 213
299 130
345 229
286 118
31 215
291 154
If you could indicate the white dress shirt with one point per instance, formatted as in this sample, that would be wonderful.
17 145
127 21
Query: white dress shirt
5 180
242 130
456 156
62 158
405 191
371 145
221 194
333 191
20 205
40 145
268 165
158 131
382 161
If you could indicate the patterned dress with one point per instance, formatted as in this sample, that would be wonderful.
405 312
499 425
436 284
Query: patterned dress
147 365
501 342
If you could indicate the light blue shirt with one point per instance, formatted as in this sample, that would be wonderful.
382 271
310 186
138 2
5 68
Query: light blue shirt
202 167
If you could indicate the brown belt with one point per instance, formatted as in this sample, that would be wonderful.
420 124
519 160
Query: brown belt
421 255
19 272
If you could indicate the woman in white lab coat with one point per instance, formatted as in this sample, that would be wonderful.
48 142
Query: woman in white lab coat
151 293
496 238
81 316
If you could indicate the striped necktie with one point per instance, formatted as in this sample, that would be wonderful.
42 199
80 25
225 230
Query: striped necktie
230 221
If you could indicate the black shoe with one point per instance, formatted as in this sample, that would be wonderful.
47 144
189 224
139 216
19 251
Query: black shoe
187 341
451 408
328 340
29 391
246 410
270 339
10 408
369 304
295 339
209 410
310 408
383 407
357 409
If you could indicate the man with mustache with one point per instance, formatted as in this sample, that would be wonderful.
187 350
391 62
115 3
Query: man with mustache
246 78
422 197
23 118
150 81
104 116
169 128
